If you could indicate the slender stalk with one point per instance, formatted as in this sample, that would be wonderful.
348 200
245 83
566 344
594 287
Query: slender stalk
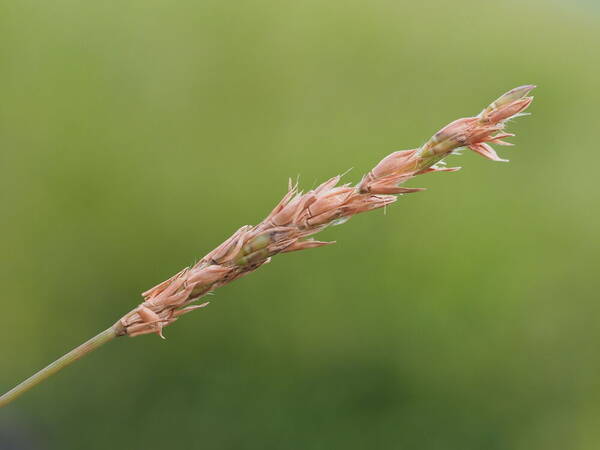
62 362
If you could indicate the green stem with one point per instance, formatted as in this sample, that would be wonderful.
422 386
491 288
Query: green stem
59 364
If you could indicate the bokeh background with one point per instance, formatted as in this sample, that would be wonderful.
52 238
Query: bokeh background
135 136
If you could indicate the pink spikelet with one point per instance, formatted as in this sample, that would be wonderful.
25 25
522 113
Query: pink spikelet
300 215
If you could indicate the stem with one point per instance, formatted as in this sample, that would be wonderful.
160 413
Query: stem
62 362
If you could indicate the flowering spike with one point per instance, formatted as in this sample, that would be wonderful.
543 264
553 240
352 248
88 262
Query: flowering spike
299 215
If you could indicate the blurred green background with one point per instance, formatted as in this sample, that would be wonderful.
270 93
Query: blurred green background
135 136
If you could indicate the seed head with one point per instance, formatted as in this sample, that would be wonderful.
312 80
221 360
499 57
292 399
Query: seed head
300 215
